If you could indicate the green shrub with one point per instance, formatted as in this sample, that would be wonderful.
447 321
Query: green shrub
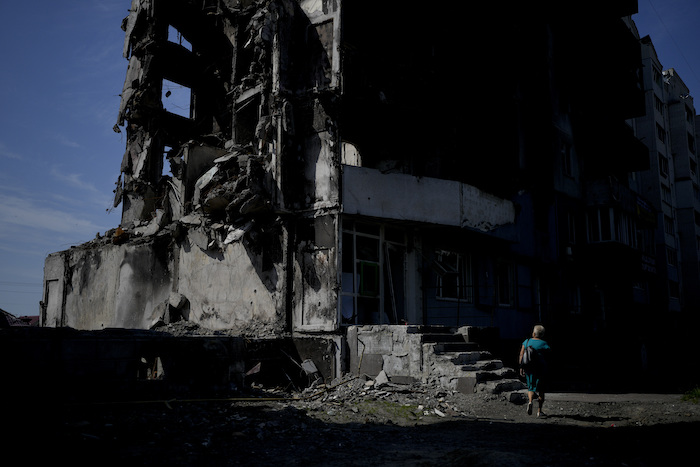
693 395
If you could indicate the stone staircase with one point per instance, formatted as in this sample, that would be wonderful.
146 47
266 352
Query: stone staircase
456 364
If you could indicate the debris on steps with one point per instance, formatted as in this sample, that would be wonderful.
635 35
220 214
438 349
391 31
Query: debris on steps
456 364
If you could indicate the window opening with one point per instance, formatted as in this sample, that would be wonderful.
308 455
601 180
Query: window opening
660 133
505 283
166 163
663 165
668 225
658 79
658 104
666 195
454 280
671 257
600 225
176 98
691 143
247 114
176 37
372 275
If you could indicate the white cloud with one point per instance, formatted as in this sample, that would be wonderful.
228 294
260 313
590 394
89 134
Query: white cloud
66 142
5 152
26 213
74 180
95 196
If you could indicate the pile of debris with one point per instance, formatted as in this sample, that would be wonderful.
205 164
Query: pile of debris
380 401
224 200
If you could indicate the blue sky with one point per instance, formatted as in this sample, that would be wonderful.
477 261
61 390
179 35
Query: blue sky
61 74
60 79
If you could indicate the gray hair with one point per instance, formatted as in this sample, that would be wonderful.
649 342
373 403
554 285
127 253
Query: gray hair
538 331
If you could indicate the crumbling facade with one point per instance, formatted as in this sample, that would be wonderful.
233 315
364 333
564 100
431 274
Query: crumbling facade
343 165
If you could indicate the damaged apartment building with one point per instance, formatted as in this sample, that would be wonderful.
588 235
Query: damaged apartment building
344 166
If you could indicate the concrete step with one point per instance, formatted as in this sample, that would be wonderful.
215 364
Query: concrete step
460 357
500 386
442 337
443 347
453 363
462 366
483 376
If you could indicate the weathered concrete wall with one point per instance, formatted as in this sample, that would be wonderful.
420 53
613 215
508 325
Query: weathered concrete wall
137 284
315 306
229 290
394 349
111 286
316 303
51 314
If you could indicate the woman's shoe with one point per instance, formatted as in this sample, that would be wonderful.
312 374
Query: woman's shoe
529 408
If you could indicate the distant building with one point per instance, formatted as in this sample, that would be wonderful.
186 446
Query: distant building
9 320
682 131
671 183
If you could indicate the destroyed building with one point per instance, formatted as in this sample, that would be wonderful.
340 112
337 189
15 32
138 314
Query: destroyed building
344 166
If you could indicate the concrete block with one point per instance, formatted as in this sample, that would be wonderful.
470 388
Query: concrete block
466 384
400 379
371 364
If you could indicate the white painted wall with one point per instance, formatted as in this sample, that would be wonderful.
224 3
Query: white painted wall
369 192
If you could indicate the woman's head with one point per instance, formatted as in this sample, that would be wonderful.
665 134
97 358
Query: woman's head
538 331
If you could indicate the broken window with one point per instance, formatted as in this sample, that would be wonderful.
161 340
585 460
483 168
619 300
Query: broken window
246 117
166 162
454 280
176 98
176 37
373 274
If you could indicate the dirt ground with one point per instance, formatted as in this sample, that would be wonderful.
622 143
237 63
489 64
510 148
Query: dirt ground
353 422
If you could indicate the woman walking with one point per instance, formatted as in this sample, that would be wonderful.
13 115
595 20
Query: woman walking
535 371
